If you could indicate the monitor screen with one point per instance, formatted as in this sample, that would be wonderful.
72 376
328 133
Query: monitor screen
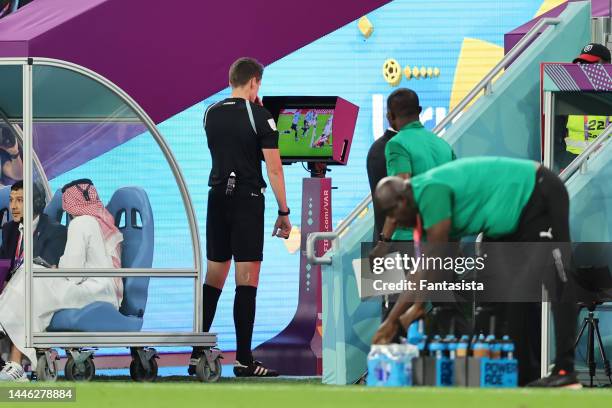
305 133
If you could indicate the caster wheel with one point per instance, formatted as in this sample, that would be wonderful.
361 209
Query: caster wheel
44 372
75 373
206 372
139 373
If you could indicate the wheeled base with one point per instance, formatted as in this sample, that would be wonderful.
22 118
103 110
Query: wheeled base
80 365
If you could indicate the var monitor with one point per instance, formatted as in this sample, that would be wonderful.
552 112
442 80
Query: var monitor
305 132
313 129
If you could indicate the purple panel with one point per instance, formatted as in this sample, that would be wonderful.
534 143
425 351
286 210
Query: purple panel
297 350
168 58
580 77
63 146
343 128
599 8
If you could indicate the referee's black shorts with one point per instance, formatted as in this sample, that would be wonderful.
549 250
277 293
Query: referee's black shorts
235 225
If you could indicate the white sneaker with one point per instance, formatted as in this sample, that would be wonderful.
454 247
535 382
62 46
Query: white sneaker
13 372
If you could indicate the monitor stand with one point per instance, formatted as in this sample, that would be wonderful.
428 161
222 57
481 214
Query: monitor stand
297 350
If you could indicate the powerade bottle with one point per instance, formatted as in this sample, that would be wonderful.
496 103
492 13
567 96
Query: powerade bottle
451 346
397 376
436 348
495 347
481 347
507 348
462 346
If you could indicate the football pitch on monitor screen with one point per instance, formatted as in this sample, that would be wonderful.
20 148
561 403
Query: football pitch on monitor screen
288 393
290 147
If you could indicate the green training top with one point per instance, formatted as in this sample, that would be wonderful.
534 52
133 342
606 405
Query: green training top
415 150
482 194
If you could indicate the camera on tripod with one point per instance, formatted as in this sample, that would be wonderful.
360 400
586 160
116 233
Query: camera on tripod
594 287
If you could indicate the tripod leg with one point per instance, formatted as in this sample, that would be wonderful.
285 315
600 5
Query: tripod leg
591 350
584 325
602 352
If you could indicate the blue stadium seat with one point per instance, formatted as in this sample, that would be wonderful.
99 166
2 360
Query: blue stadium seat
133 215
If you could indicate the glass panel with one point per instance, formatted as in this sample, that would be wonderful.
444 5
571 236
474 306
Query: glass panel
11 79
82 130
579 117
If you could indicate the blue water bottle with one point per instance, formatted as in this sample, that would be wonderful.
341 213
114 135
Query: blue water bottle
379 368
436 347
451 346
414 334
507 348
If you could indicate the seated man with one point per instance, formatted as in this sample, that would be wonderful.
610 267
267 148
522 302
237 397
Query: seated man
509 200
49 236
93 242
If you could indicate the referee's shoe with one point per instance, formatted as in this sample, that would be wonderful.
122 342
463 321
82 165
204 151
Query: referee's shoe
255 369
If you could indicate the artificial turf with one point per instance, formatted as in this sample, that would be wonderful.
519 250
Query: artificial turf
290 393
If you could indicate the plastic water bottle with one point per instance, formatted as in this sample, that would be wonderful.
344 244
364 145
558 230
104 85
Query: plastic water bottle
495 347
436 348
415 333
379 368
507 348
409 353
451 346
481 347
396 360
462 346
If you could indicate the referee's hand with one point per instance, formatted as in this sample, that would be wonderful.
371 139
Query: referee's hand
282 227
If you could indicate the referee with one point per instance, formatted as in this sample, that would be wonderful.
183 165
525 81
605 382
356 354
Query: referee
240 133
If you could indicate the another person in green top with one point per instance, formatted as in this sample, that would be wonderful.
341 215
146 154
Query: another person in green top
508 200
413 151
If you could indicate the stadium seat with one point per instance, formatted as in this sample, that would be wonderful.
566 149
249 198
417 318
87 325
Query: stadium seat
133 216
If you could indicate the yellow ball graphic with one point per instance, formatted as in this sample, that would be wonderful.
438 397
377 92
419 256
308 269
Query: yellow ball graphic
416 73
436 72
430 72
408 73
392 72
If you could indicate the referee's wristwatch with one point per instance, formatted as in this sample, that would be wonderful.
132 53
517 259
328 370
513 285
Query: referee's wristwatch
284 213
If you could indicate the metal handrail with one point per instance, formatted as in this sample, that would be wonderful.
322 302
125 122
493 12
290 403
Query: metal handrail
580 162
483 84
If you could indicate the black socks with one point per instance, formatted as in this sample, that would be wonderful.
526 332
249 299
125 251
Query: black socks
210 298
244 320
